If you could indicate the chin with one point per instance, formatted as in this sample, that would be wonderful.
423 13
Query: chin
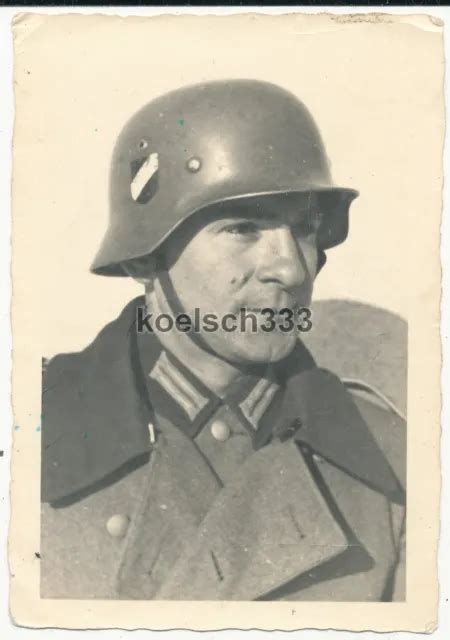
265 349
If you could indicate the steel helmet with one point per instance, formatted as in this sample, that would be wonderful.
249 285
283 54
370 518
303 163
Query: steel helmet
210 143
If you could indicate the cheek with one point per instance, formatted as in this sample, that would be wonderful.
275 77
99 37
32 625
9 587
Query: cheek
202 279
238 281
209 269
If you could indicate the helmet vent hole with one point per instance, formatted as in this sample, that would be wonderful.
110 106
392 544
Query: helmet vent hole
194 164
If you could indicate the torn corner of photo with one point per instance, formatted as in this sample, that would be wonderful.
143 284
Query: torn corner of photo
173 466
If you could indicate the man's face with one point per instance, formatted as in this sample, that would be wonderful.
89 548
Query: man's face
243 257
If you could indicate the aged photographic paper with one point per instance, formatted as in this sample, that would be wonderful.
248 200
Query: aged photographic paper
226 286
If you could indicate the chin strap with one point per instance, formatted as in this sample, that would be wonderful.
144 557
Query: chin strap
174 304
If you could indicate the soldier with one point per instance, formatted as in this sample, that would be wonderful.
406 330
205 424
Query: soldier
220 464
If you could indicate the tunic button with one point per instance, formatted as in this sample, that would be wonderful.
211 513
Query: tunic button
220 430
117 525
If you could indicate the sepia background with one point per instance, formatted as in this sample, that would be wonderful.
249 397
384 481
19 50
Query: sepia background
374 84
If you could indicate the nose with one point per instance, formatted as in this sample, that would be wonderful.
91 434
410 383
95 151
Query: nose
283 260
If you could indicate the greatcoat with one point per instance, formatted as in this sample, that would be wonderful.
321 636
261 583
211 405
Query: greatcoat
290 488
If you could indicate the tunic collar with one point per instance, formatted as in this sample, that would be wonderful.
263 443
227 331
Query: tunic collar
176 393
97 405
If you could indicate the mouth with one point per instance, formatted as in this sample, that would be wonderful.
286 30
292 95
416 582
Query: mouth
273 309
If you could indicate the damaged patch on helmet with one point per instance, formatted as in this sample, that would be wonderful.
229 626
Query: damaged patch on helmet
144 178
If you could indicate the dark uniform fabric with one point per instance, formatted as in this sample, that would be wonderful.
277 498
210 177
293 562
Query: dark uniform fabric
361 341
289 488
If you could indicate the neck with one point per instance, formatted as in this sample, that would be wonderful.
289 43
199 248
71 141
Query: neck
215 373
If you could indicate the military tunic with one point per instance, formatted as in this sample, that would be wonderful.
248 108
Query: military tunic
153 487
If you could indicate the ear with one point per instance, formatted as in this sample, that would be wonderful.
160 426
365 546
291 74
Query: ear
141 269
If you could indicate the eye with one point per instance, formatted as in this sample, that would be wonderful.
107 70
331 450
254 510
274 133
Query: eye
243 228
